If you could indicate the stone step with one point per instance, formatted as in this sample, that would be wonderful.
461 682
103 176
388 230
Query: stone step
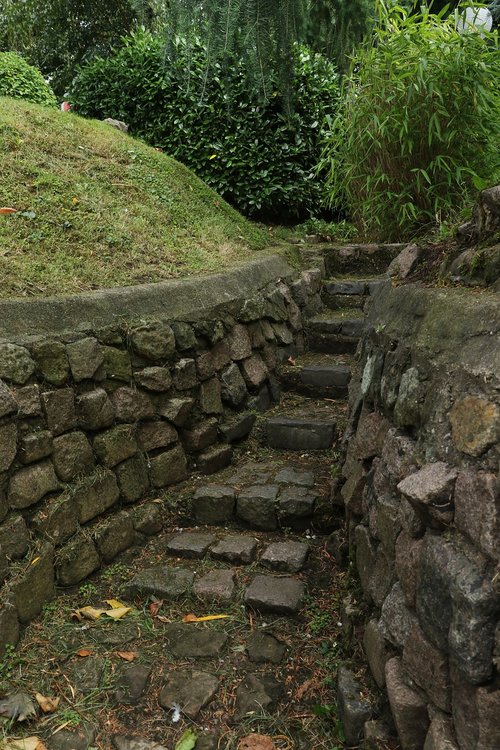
337 332
358 258
349 292
326 380
300 434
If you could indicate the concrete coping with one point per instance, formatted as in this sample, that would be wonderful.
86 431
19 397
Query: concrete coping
186 299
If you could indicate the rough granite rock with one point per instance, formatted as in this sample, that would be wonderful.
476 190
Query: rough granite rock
156 379
257 506
353 709
35 587
191 690
52 361
8 445
192 642
264 647
16 364
215 585
408 709
236 549
431 490
95 410
163 581
189 544
168 467
72 456
281 595
285 556
85 358
154 340
475 424
256 693
29 485
59 407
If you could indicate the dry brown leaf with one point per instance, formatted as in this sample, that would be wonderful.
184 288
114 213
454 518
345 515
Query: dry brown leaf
162 618
90 613
127 655
48 705
6 210
83 652
154 607
256 742
305 688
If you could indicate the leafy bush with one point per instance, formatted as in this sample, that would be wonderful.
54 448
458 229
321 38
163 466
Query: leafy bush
215 122
22 81
419 124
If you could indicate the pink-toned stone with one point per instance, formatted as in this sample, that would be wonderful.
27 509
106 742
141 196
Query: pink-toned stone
441 735
477 509
239 342
428 667
254 371
476 712
408 709
408 552
431 489
370 436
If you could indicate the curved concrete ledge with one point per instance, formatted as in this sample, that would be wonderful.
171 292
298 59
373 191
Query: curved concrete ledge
186 299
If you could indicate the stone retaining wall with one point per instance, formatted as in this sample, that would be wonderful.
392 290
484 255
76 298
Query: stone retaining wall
422 500
97 415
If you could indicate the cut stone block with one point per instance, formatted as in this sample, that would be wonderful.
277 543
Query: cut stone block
131 405
275 594
289 475
162 581
408 709
237 428
236 549
36 585
85 358
257 506
114 536
191 690
77 560
168 467
190 544
255 694
264 647
176 410
72 456
201 436
156 379
192 642
95 410
59 407
300 434
325 376
213 504
285 556
29 485
95 495
152 435
132 681
214 459
115 445
296 503
353 709
216 584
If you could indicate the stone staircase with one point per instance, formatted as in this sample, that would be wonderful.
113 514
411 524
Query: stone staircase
332 335
245 545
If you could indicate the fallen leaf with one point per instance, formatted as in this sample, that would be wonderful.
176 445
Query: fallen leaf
17 706
127 655
34 562
162 618
83 652
27 743
6 210
291 361
90 613
256 742
117 614
187 741
115 604
205 618
305 688
154 607
48 705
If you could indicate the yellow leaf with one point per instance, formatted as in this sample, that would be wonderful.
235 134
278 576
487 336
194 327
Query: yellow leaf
90 613
114 603
117 614
84 652
214 156
205 618
74 201
48 705
34 562
28 743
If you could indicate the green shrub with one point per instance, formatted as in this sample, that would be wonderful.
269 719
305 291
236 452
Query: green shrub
246 149
418 127
21 81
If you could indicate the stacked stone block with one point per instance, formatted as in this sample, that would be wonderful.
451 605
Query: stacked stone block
421 494
94 420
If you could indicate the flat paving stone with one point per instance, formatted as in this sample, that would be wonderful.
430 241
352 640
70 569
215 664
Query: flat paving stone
293 434
87 674
255 693
216 584
79 739
191 642
264 647
112 634
275 594
296 502
214 504
326 376
285 556
190 544
236 549
256 505
122 742
191 690
163 581
290 475
132 681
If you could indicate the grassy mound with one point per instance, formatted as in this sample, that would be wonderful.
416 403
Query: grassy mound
96 208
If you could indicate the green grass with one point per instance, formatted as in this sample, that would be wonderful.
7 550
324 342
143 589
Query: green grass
97 208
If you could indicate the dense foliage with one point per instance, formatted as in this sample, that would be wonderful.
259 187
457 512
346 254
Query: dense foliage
243 146
57 35
22 81
419 124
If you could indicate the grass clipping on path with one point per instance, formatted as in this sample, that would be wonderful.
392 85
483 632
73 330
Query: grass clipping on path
96 208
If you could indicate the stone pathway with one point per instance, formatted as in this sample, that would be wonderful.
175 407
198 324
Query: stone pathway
250 551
